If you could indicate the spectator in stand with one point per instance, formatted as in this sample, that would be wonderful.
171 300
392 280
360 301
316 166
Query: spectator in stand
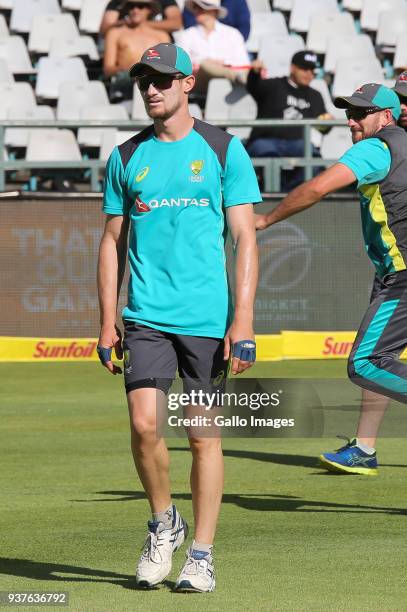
238 16
401 90
216 50
171 21
285 98
125 44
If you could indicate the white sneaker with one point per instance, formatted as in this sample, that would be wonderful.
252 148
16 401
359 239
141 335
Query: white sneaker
198 573
156 561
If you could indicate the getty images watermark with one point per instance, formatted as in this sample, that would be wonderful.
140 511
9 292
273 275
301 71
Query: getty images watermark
239 408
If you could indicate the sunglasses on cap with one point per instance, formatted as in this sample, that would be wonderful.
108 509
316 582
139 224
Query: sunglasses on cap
357 114
159 81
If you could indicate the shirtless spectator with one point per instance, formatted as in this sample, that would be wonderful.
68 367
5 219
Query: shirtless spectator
171 16
125 45
216 50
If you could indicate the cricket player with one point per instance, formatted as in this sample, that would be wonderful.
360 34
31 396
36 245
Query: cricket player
378 162
171 192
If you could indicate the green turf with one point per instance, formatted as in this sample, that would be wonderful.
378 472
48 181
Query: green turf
290 536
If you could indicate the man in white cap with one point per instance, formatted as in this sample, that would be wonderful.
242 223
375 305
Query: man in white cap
216 50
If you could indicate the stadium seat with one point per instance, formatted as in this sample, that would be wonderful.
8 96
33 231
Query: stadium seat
54 71
18 137
352 73
4 33
72 5
300 17
335 143
73 96
322 86
265 24
352 5
227 101
391 25
92 137
258 6
24 12
195 110
61 145
91 15
111 139
6 4
71 47
13 50
283 5
46 27
400 56
15 95
348 46
5 74
138 110
326 25
371 9
276 53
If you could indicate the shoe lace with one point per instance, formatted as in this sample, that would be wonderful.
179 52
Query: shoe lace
347 445
195 566
152 545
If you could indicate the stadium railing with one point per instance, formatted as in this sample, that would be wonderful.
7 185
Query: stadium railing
271 166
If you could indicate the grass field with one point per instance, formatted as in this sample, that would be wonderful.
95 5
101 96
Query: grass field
290 537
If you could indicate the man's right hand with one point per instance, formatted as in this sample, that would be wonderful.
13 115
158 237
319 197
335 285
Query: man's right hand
261 222
259 68
111 337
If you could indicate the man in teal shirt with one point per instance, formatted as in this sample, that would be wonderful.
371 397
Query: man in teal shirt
378 162
172 191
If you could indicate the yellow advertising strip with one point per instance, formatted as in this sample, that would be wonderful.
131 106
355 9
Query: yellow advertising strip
273 347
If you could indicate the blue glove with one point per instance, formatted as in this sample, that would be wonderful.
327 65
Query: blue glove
104 354
245 350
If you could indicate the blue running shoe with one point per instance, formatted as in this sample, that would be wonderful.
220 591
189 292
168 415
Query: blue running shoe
350 459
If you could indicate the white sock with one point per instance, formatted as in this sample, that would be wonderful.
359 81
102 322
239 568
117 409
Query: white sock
369 450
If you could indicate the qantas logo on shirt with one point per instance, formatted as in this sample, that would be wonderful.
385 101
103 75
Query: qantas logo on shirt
141 206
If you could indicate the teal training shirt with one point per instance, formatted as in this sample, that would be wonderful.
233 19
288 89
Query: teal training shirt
175 194
369 160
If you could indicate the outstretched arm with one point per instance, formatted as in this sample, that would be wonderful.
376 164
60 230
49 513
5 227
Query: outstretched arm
240 220
306 195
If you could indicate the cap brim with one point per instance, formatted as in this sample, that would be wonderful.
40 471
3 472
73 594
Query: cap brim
345 102
140 67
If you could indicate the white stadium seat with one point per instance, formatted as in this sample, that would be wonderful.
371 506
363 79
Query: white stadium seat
24 12
400 56
323 27
300 17
336 142
277 52
14 51
348 46
227 101
321 86
92 137
5 74
15 95
195 110
73 96
138 110
72 5
111 139
46 27
371 9
18 137
6 4
4 33
54 71
283 5
265 24
91 15
258 6
352 5
391 25
74 46
61 145
352 73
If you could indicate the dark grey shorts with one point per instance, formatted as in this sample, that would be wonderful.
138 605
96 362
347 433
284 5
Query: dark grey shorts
152 358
